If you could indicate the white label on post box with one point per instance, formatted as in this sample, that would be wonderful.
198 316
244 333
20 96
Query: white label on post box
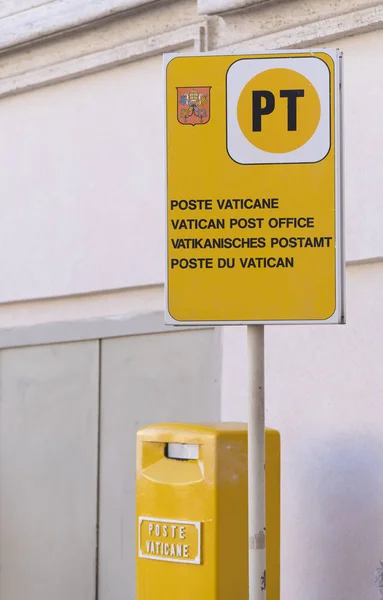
172 541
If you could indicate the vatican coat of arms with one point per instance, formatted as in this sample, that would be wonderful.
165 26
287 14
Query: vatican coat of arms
193 105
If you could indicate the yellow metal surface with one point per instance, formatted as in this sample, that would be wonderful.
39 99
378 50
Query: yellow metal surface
248 241
192 522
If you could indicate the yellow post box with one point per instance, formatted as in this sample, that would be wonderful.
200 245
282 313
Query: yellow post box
192 518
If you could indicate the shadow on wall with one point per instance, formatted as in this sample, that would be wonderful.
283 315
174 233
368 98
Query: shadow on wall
342 517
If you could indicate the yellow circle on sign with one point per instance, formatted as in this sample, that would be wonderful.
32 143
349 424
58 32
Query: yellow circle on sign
278 110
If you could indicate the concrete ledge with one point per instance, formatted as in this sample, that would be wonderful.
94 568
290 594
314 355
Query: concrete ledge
192 36
50 18
320 32
211 7
196 37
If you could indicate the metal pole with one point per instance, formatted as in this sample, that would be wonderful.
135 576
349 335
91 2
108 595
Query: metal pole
256 463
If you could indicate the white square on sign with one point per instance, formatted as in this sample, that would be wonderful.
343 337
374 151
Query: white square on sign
278 110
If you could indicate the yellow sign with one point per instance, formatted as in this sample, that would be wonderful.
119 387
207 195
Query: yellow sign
174 541
254 199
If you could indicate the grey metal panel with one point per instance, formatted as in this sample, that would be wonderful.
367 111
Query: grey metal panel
48 471
145 379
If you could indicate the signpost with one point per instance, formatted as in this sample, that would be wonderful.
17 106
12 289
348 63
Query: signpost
254 215
254 210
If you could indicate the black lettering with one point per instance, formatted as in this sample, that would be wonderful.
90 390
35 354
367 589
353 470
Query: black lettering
191 204
301 242
258 110
251 223
262 262
226 263
247 203
198 223
294 222
292 96
192 263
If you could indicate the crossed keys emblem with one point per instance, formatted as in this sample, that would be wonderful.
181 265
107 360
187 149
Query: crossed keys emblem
193 105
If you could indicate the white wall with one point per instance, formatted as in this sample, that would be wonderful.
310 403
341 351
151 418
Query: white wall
81 191
363 96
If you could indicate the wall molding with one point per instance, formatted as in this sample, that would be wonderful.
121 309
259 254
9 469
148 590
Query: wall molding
89 329
33 20
194 37
212 7
191 36
57 16
11 7
326 30
373 260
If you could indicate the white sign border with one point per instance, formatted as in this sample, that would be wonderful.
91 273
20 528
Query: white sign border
314 149
338 317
